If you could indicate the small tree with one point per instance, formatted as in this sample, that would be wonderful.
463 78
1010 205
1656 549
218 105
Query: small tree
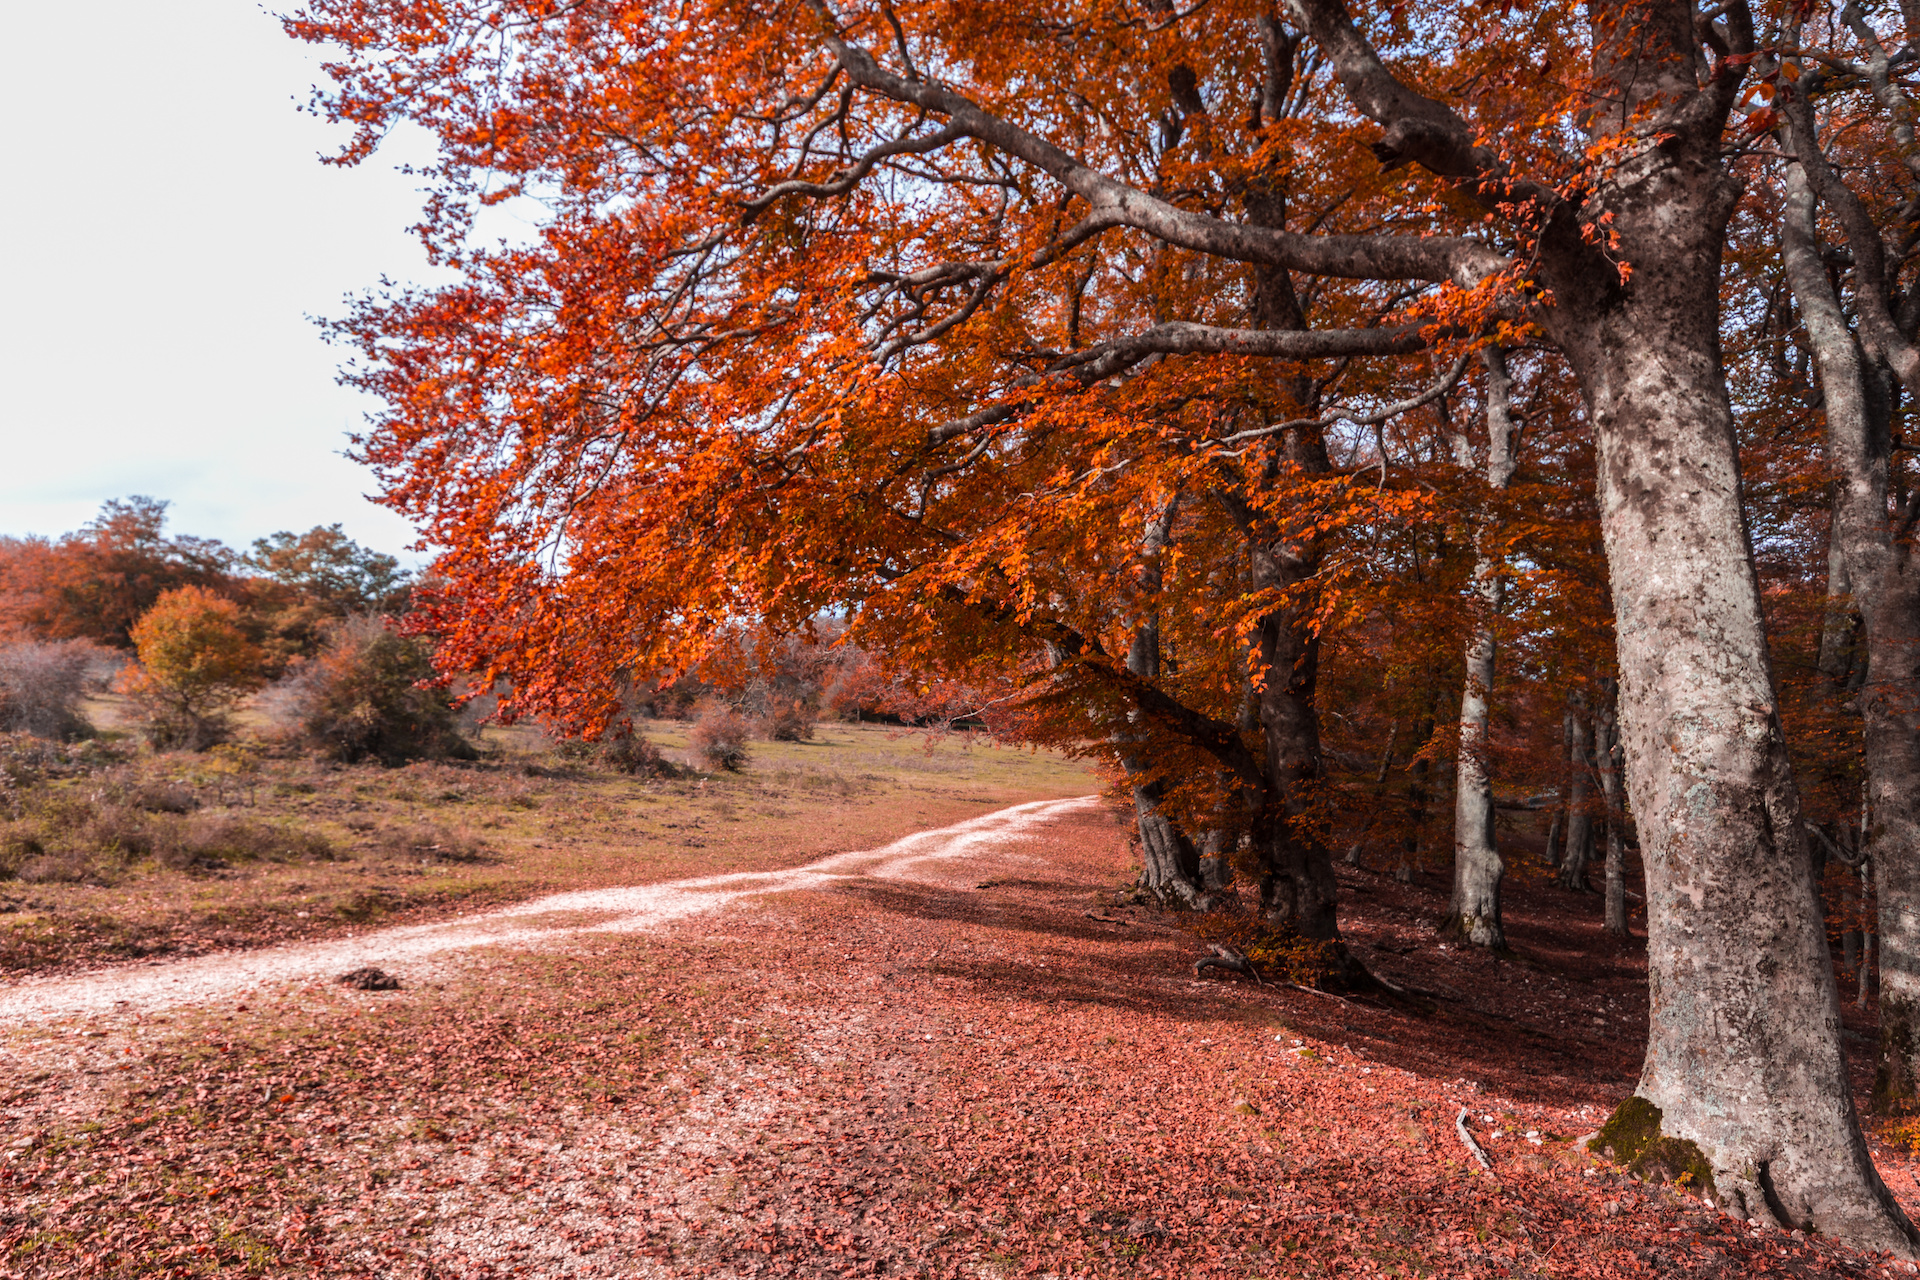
195 664
369 695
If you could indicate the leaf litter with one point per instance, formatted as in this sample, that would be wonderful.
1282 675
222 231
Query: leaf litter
873 1077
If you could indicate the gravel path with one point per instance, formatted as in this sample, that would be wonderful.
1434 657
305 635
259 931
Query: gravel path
540 922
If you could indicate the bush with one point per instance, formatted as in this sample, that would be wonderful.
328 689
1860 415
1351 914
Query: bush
42 686
631 753
366 696
196 663
430 843
789 720
719 738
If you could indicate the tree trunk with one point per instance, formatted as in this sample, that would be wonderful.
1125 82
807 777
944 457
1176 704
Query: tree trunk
1743 1056
1877 567
1605 741
1298 890
1890 707
1473 915
1573 863
1416 796
1379 794
1169 863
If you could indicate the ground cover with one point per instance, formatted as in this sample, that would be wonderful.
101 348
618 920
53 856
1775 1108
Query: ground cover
169 855
995 1068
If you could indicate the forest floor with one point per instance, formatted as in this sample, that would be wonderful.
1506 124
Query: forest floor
980 1061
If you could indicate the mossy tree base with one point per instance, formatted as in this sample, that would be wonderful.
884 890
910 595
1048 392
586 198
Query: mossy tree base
1632 1136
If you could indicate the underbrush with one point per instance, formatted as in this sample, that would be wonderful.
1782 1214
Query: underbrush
96 835
1280 955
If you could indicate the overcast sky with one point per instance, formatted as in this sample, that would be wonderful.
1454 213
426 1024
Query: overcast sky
168 230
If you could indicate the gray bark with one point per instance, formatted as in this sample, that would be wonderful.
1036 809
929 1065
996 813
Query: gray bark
1744 1056
1579 850
1473 915
1605 749
1878 571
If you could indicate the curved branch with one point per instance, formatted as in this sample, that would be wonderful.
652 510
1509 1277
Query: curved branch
1439 258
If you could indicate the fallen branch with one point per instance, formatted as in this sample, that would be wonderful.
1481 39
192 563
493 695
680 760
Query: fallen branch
1324 995
1227 958
1104 919
1460 1127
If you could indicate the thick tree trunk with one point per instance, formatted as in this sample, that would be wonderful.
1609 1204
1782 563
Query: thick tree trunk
1169 863
1473 915
1573 863
1605 740
1876 566
1743 1057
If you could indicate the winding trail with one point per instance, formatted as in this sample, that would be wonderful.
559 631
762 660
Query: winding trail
539 922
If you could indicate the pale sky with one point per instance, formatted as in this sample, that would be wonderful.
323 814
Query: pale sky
168 229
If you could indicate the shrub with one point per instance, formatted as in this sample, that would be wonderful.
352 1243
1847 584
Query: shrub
789 720
42 686
367 696
430 843
195 664
631 753
719 737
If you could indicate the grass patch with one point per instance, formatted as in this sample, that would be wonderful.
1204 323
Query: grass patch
107 858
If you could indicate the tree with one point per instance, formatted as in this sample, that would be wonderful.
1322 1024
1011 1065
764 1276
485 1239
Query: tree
1474 913
195 664
94 584
914 305
326 566
306 583
1861 363
42 687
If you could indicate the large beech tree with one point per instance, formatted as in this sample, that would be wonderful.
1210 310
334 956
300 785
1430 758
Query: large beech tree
933 306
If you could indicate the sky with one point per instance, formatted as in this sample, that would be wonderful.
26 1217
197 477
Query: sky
169 232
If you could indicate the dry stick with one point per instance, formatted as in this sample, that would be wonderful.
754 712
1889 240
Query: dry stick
1460 1127
1324 995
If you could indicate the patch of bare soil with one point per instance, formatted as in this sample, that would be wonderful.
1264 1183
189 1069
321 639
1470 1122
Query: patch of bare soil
878 1076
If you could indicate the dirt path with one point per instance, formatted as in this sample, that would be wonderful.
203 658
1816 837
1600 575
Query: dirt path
409 952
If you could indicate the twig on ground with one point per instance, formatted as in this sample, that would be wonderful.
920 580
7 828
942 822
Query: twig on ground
1460 1127
1324 995
1105 919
